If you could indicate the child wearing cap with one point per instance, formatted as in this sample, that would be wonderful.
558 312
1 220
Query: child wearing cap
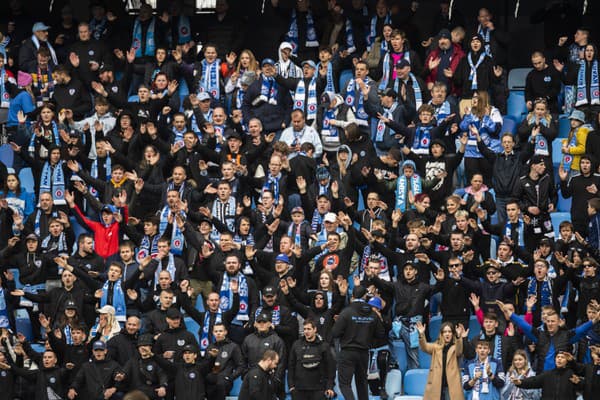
299 229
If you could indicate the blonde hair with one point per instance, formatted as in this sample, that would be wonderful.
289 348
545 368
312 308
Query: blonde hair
522 353
253 66
440 338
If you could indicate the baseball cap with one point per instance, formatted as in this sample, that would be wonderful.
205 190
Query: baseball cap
106 310
145 340
70 305
190 348
477 37
330 217
263 317
105 68
267 61
444 34
310 63
536 159
203 96
173 313
323 173
297 210
109 208
39 26
282 258
232 134
99 345
402 63
375 302
269 291
32 236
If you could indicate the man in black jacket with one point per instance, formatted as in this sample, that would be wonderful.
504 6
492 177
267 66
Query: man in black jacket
581 187
98 378
311 366
122 347
259 383
356 327
70 94
143 373
537 197
229 364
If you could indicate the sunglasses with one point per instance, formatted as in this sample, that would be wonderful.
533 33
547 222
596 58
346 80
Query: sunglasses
455 265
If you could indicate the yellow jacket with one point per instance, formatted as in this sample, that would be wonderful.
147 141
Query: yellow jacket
579 149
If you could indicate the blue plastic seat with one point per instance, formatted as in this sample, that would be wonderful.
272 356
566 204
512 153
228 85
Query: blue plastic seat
434 327
415 381
424 359
557 218
192 326
564 126
399 350
516 105
393 383
26 178
556 152
16 274
6 155
474 327
23 323
517 78
237 385
509 124
200 303
564 205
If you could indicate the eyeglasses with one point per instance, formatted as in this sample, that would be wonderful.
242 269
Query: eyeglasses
492 273
588 265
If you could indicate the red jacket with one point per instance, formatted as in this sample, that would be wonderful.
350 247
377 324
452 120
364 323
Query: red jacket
457 55
106 238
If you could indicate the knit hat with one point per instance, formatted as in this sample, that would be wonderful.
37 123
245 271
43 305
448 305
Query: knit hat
24 79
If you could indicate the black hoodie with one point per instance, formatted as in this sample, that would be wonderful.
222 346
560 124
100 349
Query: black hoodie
311 365
357 326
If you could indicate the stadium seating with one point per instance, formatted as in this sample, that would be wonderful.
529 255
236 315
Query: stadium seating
200 303
345 76
564 205
235 390
399 351
556 152
26 178
393 383
424 359
6 155
516 106
434 326
415 381
557 218
23 323
509 124
192 326
517 77
564 126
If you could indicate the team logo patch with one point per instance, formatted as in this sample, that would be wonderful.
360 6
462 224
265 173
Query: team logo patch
149 367
71 92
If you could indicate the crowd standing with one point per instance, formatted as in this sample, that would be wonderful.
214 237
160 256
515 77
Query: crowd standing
196 213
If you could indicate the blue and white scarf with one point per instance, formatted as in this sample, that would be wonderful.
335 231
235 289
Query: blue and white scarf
224 212
210 78
269 90
52 180
295 232
118 299
272 184
329 133
177 239
388 67
567 159
137 39
148 249
316 223
541 143
372 34
350 47
473 69
178 136
207 337
422 139
36 223
94 172
184 31
441 112
239 98
98 28
68 334
356 102
4 322
381 126
170 269
55 137
485 34
403 186
582 84
61 242
275 315
330 84
546 294
311 33
226 297
384 272
36 43
4 95
311 102
520 229
416 89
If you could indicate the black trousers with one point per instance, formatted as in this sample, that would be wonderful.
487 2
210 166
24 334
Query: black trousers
353 363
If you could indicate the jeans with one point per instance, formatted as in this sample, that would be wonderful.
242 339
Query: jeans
413 354
501 209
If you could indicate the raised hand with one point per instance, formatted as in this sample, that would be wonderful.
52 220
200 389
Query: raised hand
421 328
